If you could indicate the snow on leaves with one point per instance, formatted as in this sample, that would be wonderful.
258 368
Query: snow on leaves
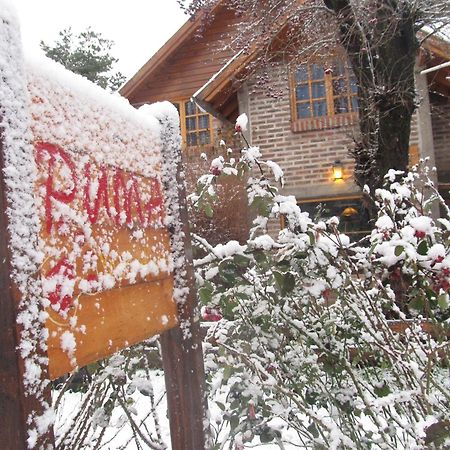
307 348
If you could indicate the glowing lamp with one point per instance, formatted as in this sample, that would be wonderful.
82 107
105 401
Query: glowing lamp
338 171
349 212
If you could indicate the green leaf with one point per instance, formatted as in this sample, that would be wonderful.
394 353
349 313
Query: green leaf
227 372
208 210
261 204
417 303
205 294
399 250
372 249
312 238
266 436
261 258
311 397
228 271
285 282
382 391
443 301
220 405
228 307
284 265
241 260
289 282
234 421
422 249
279 280
313 430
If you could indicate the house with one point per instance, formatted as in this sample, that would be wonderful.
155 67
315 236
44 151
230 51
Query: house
306 128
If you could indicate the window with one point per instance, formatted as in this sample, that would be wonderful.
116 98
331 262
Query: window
319 92
414 155
195 124
354 218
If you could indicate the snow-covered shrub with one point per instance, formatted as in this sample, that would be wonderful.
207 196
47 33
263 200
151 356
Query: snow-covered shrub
120 404
308 351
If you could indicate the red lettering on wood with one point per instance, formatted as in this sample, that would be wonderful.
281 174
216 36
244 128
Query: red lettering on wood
125 190
54 152
102 192
128 188
66 271
155 206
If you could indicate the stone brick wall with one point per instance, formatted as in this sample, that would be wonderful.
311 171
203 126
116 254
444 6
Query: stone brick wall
305 151
441 135
306 157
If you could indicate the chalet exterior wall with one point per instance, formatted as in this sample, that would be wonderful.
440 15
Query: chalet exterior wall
307 157
441 134
199 67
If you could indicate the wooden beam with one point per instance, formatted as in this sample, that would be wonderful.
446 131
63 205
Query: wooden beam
16 405
230 107
210 110
182 346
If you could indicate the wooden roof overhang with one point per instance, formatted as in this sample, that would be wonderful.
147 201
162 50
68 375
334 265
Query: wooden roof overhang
436 51
186 32
219 95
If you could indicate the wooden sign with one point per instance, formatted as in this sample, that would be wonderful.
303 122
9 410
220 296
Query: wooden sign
94 244
107 269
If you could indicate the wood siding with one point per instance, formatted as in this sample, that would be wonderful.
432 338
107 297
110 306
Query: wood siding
192 64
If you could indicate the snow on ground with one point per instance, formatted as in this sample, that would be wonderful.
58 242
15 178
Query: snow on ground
118 436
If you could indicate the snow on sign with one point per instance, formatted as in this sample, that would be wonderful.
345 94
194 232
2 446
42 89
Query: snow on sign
94 246
107 267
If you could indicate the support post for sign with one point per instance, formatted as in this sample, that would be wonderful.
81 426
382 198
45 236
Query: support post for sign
21 407
182 346
16 406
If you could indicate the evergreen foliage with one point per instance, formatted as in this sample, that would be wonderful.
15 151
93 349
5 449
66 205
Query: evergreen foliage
87 54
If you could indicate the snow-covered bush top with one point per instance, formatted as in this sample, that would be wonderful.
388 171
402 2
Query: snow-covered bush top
308 351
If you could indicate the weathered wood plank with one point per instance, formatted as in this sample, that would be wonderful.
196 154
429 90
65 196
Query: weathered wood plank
15 405
182 353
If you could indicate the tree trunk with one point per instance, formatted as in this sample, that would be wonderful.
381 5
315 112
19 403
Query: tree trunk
382 58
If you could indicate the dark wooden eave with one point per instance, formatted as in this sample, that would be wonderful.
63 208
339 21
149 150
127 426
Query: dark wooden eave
186 31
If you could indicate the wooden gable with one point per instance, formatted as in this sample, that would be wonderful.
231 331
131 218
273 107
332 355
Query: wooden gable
186 62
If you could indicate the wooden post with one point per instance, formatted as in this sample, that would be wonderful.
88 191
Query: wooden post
182 346
15 405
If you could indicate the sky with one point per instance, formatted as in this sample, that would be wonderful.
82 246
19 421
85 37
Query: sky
138 27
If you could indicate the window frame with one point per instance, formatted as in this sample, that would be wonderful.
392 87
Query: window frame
330 119
330 199
183 128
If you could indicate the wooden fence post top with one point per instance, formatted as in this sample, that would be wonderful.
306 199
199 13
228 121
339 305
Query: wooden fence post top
181 346
25 402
